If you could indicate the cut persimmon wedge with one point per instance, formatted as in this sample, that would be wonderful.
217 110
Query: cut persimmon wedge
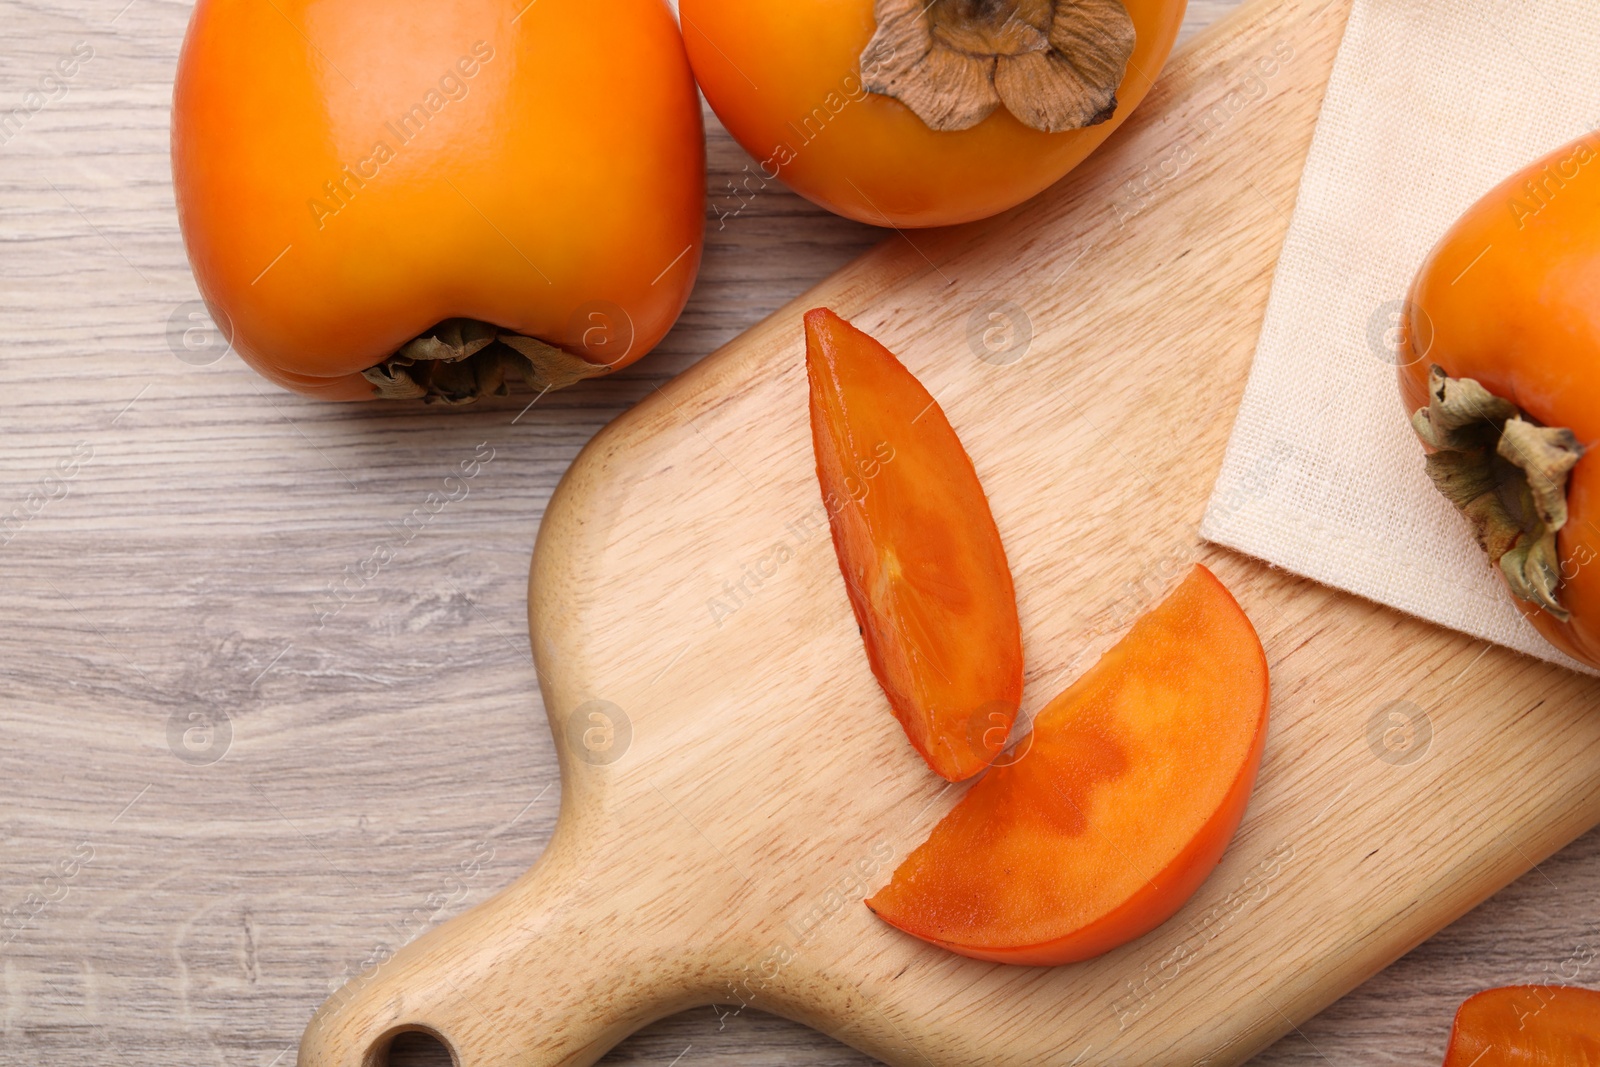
1527 1026
1133 784
922 560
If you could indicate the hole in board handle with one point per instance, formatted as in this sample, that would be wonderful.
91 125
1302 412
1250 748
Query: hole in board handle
413 1046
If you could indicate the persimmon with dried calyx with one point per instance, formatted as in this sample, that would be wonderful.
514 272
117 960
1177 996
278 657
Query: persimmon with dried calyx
923 565
1527 1026
1122 803
437 201
1501 376
917 113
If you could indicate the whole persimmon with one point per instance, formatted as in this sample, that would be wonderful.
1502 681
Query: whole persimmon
1501 376
431 199
917 113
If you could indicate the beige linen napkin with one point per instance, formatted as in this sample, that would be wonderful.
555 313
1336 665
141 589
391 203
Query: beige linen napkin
1431 104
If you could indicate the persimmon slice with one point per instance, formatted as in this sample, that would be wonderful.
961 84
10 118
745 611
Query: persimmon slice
922 560
1135 781
1527 1026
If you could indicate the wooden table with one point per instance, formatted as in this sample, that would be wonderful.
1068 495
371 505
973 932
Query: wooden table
216 804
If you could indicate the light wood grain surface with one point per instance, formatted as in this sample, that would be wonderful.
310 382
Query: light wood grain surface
383 770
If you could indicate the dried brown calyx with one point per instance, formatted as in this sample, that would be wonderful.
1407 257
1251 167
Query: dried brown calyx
1054 64
1507 474
460 360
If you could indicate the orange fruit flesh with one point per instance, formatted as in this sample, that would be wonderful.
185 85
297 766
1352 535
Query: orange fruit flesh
1135 781
1527 1026
922 560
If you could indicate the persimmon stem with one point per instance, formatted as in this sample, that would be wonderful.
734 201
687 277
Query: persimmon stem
460 360
1507 474
1054 64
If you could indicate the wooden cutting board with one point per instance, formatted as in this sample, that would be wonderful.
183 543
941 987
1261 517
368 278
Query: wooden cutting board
732 781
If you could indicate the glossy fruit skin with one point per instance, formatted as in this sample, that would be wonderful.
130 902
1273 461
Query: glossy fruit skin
556 170
784 78
1527 1026
1510 297
1123 803
922 560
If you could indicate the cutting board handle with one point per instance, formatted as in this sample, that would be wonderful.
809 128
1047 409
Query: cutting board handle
513 981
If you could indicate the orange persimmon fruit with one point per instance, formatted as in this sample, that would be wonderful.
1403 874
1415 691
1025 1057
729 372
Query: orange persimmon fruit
1500 372
991 102
431 199
922 560
1527 1026
1135 780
